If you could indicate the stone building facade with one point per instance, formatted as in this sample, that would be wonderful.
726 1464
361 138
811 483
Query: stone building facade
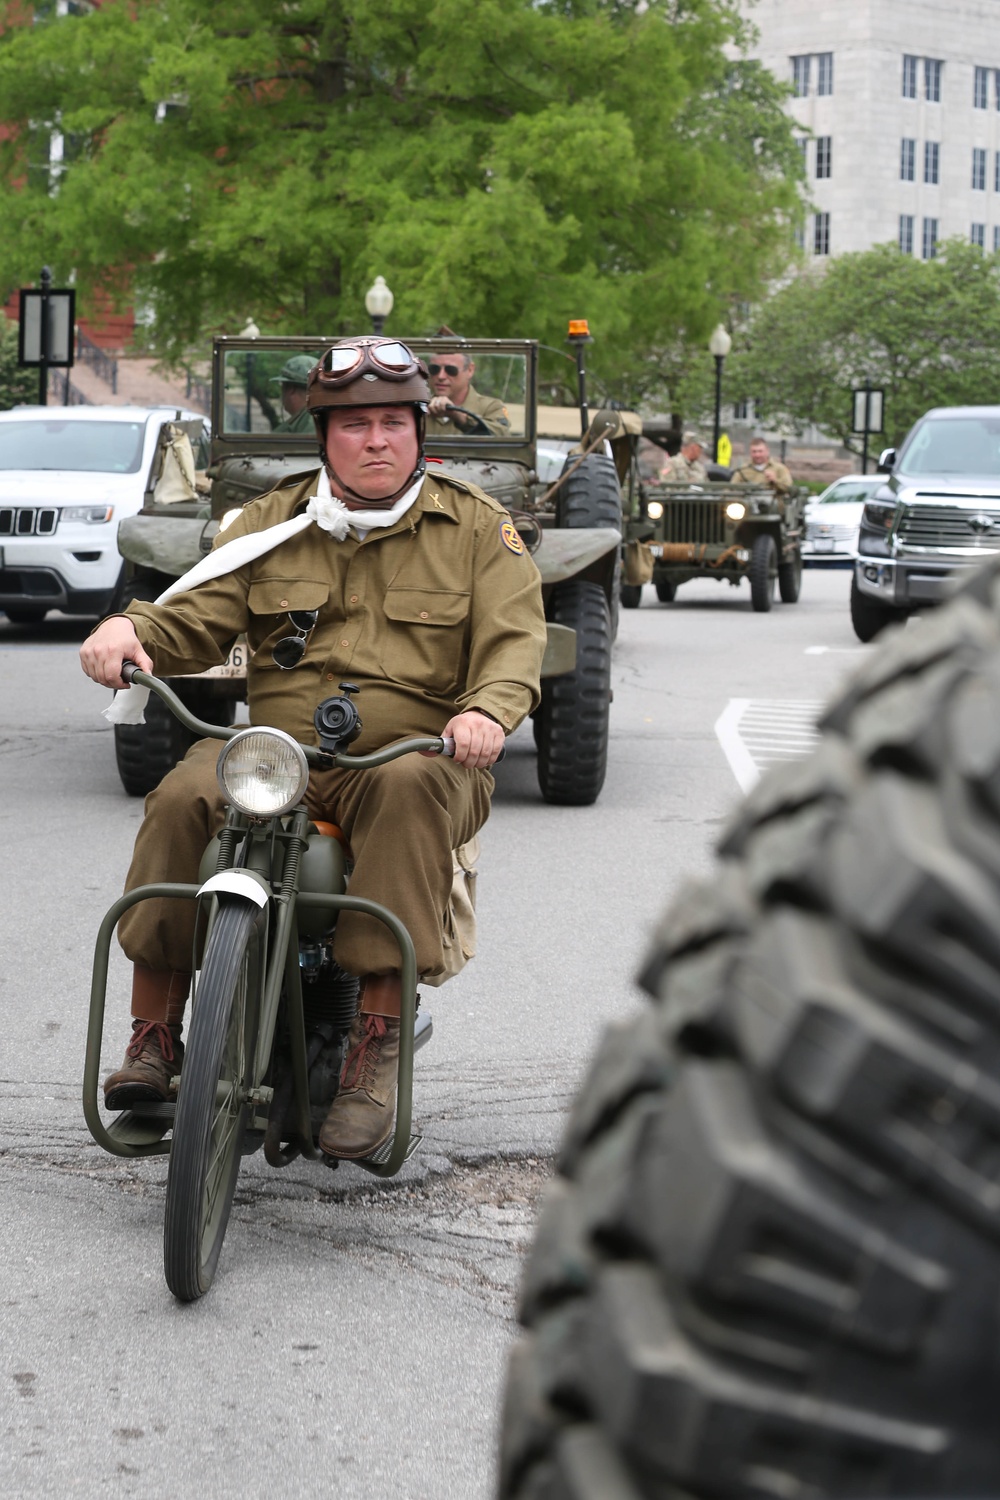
899 103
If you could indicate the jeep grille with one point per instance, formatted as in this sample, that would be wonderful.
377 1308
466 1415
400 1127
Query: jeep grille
951 526
694 521
26 520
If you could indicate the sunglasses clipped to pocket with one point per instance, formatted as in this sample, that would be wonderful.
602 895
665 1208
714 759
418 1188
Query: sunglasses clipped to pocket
290 650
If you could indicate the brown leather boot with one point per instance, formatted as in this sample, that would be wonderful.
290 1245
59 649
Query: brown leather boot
152 1058
362 1115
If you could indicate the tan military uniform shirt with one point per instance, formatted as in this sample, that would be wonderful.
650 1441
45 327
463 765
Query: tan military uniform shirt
747 474
492 411
440 612
680 471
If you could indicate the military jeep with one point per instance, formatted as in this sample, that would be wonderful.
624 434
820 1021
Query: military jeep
572 527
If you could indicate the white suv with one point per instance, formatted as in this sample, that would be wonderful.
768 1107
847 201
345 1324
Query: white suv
68 475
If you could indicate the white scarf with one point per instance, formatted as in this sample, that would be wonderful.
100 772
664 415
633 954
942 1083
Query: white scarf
329 513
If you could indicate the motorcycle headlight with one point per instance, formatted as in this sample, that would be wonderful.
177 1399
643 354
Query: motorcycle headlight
263 772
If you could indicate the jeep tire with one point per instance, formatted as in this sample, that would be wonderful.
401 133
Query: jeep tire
768 1264
763 568
571 722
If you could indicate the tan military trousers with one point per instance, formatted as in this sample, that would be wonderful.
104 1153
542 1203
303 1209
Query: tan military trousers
403 820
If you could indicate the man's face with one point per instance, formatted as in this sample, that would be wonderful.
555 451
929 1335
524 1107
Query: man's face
445 383
759 453
692 452
373 449
293 398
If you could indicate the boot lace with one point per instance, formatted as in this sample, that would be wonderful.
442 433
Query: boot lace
154 1033
364 1056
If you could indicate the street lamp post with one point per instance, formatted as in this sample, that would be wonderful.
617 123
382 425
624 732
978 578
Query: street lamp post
378 302
719 346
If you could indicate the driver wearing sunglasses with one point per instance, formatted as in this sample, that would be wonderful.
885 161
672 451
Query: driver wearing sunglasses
456 407
418 589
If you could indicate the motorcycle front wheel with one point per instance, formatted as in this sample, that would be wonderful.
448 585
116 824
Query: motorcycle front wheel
212 1104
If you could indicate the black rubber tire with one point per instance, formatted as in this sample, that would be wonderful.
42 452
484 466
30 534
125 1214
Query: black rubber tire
763 569
666 589
631 595
146 752
592 495
25 615
768 1263
571 721
208 1130
790 579
870 616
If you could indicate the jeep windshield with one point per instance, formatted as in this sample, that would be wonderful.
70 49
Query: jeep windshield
259 401
75 447
967 444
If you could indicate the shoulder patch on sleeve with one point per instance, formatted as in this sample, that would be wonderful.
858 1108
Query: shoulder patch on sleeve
510 538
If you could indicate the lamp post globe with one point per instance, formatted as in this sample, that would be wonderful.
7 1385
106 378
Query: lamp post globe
378 303
719 346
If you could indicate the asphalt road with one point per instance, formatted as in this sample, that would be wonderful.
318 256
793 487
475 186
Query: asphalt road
354 1339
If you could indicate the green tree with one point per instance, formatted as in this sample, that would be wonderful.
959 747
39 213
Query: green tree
17 384
506 164
926 332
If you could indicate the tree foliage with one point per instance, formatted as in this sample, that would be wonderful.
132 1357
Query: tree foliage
505 164
17 384
926 332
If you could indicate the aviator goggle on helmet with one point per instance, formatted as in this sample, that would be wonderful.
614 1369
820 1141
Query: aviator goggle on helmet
369 372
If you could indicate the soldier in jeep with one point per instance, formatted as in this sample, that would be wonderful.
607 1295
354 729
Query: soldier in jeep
451 385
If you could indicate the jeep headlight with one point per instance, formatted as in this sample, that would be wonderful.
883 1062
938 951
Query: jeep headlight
93 515
654 510
736 510
263 772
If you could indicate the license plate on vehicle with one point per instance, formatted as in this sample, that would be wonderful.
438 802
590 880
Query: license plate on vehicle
823 543
235 664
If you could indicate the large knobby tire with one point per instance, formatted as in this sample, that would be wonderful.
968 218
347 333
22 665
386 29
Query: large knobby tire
666 589
591 496
571 723
870 616
768 1265
790 578
146 752
763 568
27 614
212 1107
631 595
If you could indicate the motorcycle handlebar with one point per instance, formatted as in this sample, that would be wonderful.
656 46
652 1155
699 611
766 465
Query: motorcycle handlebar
439 744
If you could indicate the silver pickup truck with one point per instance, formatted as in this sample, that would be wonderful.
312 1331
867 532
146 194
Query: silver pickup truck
937 514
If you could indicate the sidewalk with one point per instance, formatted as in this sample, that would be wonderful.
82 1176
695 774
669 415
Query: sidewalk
139 384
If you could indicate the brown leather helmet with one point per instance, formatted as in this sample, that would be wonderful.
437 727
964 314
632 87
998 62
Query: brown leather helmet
368 372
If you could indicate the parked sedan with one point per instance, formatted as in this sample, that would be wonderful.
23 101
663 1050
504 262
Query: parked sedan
68 476
833 518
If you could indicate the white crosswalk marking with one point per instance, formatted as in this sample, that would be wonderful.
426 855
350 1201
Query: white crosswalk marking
756 733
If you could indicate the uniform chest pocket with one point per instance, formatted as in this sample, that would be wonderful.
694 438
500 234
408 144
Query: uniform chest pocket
276 596
426 636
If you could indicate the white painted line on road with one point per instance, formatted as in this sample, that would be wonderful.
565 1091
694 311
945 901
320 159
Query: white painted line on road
759 732
843 650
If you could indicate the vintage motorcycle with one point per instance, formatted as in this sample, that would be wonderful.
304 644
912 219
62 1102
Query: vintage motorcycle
271 1008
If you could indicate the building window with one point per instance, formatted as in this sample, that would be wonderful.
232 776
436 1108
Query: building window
802 141
821 234
824 156
979 168
824 73
743 411
932 160
909 77
929 249
996 238
932 80
996 171
800 76
977 235
908 160
981 89
906 233
800 237
996 85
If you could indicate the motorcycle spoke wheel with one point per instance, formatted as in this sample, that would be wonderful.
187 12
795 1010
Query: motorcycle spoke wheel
212 1105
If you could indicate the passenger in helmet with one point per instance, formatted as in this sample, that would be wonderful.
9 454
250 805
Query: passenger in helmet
415 586
293 378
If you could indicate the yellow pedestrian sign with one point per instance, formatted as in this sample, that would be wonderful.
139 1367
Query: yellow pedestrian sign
725 449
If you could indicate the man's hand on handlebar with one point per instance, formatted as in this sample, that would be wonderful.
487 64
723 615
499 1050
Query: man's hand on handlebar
478 740
112 643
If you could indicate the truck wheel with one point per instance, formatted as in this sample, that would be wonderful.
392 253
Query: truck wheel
631 595
768 1263
763 567
592 495
571 722
790 579
666 590
869 616
26 614
146 752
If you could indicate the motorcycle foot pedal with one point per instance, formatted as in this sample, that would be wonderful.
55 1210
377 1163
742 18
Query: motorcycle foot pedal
132 1129
382 1153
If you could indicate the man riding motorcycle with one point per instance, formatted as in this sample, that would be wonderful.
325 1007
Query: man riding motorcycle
419 590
